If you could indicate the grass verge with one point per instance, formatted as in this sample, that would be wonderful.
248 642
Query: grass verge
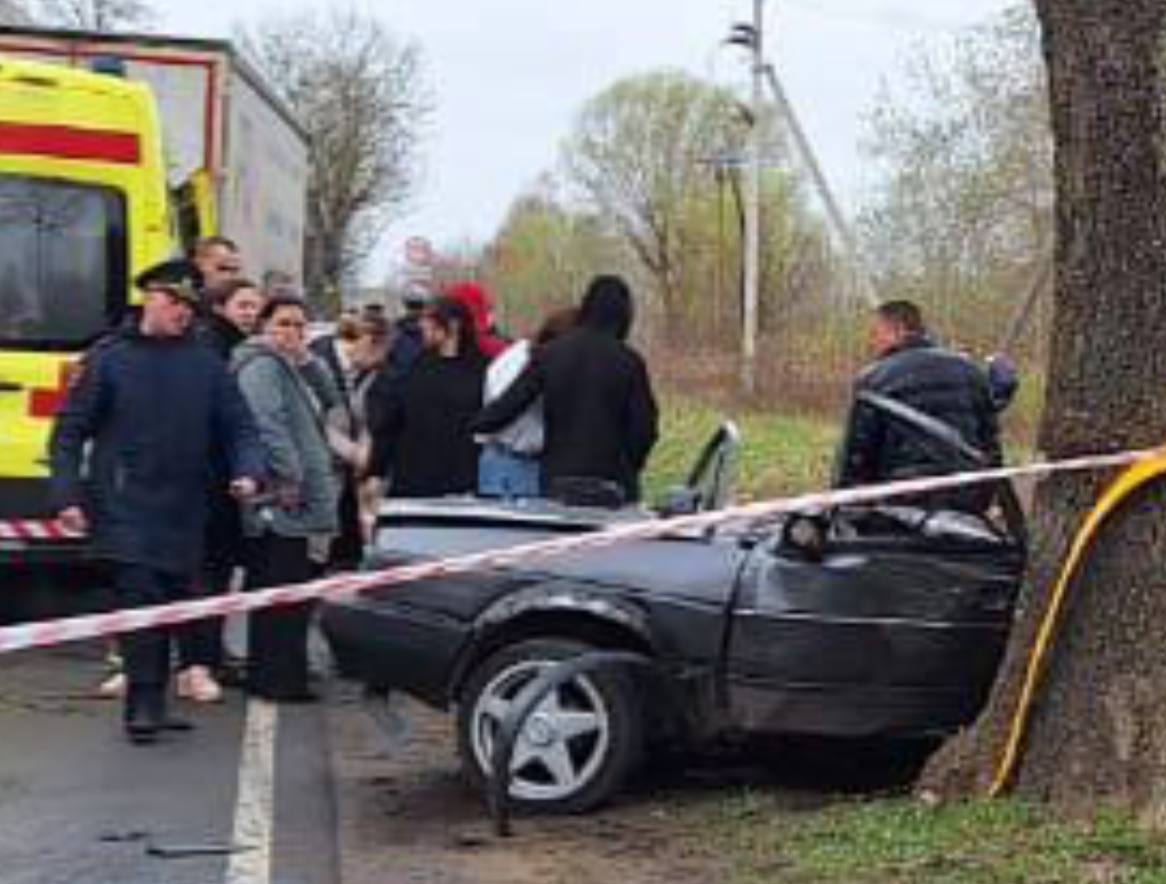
898 841
780 454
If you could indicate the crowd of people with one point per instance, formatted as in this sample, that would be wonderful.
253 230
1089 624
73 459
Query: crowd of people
207 439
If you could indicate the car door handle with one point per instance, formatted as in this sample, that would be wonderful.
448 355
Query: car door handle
10 387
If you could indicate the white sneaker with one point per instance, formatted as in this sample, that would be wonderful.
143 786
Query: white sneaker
114 687
196 683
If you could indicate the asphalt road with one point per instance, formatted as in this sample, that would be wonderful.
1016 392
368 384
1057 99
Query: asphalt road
320 795
79 804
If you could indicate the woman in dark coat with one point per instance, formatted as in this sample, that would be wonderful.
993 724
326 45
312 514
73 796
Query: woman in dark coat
232 315
421 431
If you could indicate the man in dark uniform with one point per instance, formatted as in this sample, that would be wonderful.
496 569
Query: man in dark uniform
153 402
949 390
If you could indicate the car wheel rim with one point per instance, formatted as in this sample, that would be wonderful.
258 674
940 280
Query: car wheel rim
563 743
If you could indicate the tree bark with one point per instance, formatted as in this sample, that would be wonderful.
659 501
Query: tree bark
1098 730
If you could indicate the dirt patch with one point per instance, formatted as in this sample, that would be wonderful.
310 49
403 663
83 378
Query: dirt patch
407 817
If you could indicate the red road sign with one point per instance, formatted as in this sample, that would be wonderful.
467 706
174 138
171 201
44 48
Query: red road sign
418 250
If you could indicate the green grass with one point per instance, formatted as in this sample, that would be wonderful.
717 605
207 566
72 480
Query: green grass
903 842
780 454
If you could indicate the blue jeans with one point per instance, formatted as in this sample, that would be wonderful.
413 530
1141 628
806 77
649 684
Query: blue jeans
504 474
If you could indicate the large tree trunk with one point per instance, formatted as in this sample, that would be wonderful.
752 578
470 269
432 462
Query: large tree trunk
1098 731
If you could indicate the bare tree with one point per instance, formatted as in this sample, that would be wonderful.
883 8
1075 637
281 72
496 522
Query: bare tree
95 15
1097 734
640 152
361 95
966 205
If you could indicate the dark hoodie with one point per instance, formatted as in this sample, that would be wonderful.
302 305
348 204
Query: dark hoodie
599 410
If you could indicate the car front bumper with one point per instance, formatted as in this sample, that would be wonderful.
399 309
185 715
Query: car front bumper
393 646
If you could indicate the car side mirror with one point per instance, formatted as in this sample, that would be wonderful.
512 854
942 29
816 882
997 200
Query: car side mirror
805 535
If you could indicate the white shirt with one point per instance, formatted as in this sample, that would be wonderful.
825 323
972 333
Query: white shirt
523 435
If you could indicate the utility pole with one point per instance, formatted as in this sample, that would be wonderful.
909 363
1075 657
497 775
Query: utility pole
859 280
753 213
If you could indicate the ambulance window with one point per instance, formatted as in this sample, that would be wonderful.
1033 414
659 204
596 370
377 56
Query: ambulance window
62 262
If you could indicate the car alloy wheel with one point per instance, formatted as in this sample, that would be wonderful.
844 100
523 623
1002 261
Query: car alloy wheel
576 746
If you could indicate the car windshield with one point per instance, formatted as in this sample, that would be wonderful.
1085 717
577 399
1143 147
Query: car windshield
62 262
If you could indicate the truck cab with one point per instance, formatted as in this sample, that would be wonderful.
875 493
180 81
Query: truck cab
84 207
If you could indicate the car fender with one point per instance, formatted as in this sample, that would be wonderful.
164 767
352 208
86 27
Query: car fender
592 604
569 597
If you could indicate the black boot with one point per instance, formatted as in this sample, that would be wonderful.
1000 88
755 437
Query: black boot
144 714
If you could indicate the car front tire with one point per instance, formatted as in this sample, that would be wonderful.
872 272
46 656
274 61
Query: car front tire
578 745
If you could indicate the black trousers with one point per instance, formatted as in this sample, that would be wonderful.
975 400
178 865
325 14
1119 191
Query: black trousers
223 551
277 638
348 545
146 653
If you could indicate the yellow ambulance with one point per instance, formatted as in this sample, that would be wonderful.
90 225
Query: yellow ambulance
83 207
116 151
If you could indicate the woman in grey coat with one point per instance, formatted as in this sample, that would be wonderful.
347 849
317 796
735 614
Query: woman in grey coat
300 505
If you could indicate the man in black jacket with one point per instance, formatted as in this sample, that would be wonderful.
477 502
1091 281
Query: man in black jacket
154 402
944 386
599 412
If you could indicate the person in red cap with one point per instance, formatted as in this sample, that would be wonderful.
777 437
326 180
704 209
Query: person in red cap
476 298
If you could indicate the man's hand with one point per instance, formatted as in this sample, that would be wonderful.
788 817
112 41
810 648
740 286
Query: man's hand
73 520
288 496
244 488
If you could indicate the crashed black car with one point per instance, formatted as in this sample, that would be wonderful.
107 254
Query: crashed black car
882 621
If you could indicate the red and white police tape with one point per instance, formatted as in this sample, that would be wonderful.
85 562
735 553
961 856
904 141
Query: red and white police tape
56 632
34 529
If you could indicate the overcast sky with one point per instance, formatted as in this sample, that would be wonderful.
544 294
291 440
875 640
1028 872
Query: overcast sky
508 76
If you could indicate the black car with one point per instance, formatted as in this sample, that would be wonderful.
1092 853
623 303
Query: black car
883 621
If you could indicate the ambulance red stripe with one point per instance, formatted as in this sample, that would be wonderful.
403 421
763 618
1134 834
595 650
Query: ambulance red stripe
70 143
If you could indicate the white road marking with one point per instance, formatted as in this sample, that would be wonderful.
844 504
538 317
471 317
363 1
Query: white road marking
255 799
